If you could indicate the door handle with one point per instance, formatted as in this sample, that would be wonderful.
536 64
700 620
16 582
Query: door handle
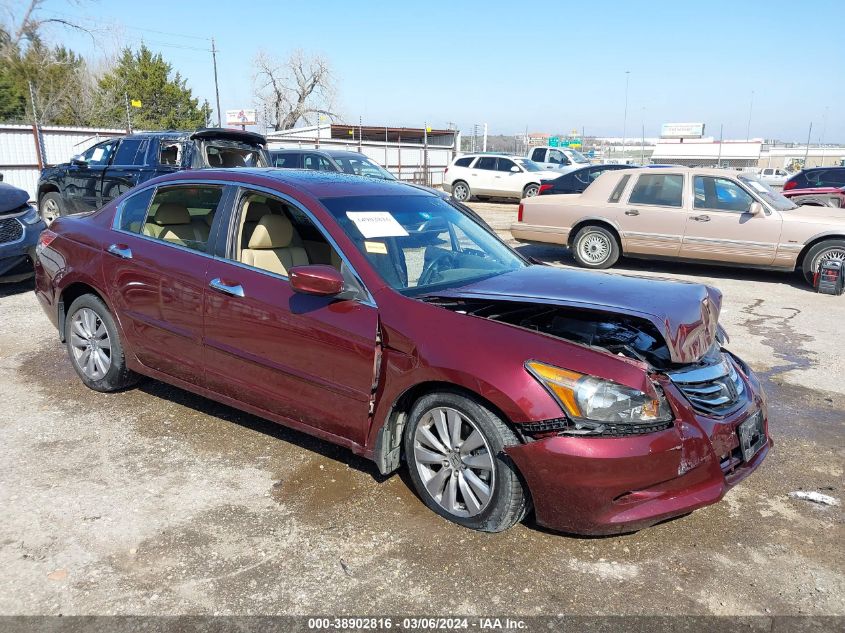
118 250
701 218
632 212
234 290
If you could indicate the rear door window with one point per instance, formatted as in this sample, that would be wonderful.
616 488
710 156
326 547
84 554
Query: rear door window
464 162
539 155
663 190
826 178
180 215
486 162
131 151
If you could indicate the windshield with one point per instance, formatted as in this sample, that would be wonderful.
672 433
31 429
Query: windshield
768 194
421 244
528 165
362 166
578 157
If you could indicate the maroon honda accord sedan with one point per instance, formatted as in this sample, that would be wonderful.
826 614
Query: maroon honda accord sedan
390 321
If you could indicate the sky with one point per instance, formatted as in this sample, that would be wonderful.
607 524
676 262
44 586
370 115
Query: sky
550 66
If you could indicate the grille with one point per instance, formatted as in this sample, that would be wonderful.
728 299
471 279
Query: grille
10 230
715 389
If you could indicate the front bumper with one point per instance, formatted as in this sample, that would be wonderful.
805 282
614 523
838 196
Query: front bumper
596 486
16 258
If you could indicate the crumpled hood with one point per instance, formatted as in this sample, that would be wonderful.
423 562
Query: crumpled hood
11 198
685 314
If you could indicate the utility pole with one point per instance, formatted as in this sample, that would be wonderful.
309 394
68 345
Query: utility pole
807 150
642 138
625 117
721 136
750 109
484 140
128 117
39 140
216 87
821 138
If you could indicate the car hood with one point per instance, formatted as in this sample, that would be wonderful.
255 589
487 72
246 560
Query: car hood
685 314
11 198
808 213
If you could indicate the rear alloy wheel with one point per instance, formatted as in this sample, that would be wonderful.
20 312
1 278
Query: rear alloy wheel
461 191
94 347
454 448
595 247
530 191
829 249
50 207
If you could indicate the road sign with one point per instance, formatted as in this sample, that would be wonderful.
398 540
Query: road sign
554 141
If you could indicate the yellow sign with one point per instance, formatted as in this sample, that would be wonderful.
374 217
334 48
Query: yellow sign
428 128
351 133
136 103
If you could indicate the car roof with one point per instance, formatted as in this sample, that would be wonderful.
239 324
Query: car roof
320 184
492 155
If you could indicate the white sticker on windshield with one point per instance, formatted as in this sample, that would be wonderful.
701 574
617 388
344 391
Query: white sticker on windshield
758 186
376 224
97 154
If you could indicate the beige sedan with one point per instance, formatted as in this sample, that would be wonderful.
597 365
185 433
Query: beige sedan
705 215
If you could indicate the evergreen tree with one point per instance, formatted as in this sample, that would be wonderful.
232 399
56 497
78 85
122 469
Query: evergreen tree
166 101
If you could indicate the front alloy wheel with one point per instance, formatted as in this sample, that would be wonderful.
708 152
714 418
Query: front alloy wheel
50 209
454 461
460 191
454 446
531 191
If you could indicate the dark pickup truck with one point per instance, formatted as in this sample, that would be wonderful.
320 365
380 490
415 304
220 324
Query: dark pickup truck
113 166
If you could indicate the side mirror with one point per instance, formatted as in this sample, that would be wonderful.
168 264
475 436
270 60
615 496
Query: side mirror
756 209
79 161
316 279
515 169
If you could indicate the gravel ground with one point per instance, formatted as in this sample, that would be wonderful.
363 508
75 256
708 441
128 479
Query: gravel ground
155 501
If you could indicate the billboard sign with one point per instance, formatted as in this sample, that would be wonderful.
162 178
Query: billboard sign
682 130
240 117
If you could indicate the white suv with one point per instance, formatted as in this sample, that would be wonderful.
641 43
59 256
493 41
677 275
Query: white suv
494 175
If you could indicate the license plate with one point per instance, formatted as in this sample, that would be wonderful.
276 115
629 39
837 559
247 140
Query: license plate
752 436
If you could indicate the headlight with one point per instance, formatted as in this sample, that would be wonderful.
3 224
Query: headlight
587 398
31 217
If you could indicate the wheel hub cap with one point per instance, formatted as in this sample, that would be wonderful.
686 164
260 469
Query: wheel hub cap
595 248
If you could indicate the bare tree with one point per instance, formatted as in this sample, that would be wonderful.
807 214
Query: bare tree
27 26
298 88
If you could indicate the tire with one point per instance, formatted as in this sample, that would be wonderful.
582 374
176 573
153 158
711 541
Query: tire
507 500
461 191
834 249
51 207
595 247
89 326
530 191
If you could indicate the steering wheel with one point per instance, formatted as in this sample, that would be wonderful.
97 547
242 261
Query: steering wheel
435 267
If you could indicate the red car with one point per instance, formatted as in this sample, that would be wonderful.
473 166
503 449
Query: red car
386 319
817 186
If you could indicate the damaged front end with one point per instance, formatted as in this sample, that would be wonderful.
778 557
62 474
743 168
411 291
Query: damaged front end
710 383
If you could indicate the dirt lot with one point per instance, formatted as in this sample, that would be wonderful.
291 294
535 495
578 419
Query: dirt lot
155 501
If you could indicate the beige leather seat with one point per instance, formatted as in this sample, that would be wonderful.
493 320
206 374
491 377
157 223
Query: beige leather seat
270 246
253 212
172 223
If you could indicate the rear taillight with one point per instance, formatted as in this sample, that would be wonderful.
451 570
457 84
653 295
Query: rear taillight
46 238
789 184
545 188
445 171
519 212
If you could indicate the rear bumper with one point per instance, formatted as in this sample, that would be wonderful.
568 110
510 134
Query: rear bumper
600 486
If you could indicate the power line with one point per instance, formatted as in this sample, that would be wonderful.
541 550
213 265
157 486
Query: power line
131 28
